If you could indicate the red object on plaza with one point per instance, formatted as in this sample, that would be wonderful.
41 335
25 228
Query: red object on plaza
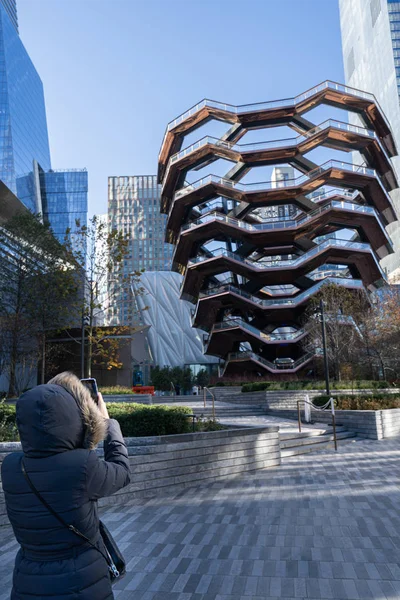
143 389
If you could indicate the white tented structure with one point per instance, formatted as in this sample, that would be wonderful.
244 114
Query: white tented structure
173 340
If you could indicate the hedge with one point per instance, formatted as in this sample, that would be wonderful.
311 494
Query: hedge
136 420
139 420
115 390
314 385
370 402
8 428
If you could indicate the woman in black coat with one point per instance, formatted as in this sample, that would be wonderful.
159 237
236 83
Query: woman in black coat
59 426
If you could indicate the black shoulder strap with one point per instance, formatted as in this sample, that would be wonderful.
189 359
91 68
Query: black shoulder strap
56 515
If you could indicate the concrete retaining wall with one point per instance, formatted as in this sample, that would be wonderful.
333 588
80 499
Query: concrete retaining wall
371 424
287 399
167 464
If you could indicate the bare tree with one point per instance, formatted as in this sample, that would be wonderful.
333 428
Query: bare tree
101 253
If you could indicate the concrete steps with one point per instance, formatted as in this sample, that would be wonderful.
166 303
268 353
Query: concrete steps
293 444
223 413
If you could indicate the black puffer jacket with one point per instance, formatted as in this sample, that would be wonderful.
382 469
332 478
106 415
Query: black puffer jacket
57 431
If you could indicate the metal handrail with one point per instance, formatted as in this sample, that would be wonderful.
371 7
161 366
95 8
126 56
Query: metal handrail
205 390
291 262
271 104
322 408
268 185
279 222
292 141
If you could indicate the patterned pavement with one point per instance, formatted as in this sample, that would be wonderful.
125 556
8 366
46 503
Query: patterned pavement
323 525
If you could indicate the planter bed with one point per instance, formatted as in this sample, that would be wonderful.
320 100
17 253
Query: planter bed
167 464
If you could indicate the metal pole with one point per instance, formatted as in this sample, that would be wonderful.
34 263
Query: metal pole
83 347
326 365
213 407
334 424
204 396
299 414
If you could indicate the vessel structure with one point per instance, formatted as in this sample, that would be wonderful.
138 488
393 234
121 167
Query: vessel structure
252 255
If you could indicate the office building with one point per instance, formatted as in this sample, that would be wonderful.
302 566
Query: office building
394 20
10 7
250 293
25 164
23 124
371 56
134 210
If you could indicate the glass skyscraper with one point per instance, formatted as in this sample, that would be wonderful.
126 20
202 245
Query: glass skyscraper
134 210
394 18
64 199
23 124
25 165
371 56
10 7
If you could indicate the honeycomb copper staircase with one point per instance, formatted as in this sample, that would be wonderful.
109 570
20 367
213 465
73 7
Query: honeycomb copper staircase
253 254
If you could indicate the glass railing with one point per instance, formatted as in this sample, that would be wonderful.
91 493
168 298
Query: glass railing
281 143
315 197
259 106
280 302
279 222
262 106
279 264
342 273
285 364
270 337
323 195
267 185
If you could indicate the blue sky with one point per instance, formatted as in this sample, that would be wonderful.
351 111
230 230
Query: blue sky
116 71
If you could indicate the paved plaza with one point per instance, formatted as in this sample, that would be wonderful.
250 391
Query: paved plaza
322 525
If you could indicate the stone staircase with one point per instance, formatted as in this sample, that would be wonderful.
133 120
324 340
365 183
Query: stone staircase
225 411
294 443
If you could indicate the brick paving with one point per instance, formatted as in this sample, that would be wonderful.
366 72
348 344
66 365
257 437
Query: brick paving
322 525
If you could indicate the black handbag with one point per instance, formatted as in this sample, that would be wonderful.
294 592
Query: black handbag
113 557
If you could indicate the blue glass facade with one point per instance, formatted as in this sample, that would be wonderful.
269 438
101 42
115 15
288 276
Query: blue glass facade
10 6
64 199
25 166
23 125
394 18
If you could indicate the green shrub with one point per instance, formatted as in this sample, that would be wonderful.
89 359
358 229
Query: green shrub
8 427
209 425
314 385
357 402
138 420
115 390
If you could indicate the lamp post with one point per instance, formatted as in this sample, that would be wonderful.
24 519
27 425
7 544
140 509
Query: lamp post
85 321
326 365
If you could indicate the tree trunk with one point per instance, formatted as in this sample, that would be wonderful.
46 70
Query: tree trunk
12 392
42 377
90 351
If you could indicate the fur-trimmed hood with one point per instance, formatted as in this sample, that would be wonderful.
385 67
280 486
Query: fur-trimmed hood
57 417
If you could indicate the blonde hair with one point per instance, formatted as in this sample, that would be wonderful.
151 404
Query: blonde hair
95 423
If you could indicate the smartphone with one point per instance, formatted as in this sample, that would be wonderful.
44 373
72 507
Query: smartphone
91 385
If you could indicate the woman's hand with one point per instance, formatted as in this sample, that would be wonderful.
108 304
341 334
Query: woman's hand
102 406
